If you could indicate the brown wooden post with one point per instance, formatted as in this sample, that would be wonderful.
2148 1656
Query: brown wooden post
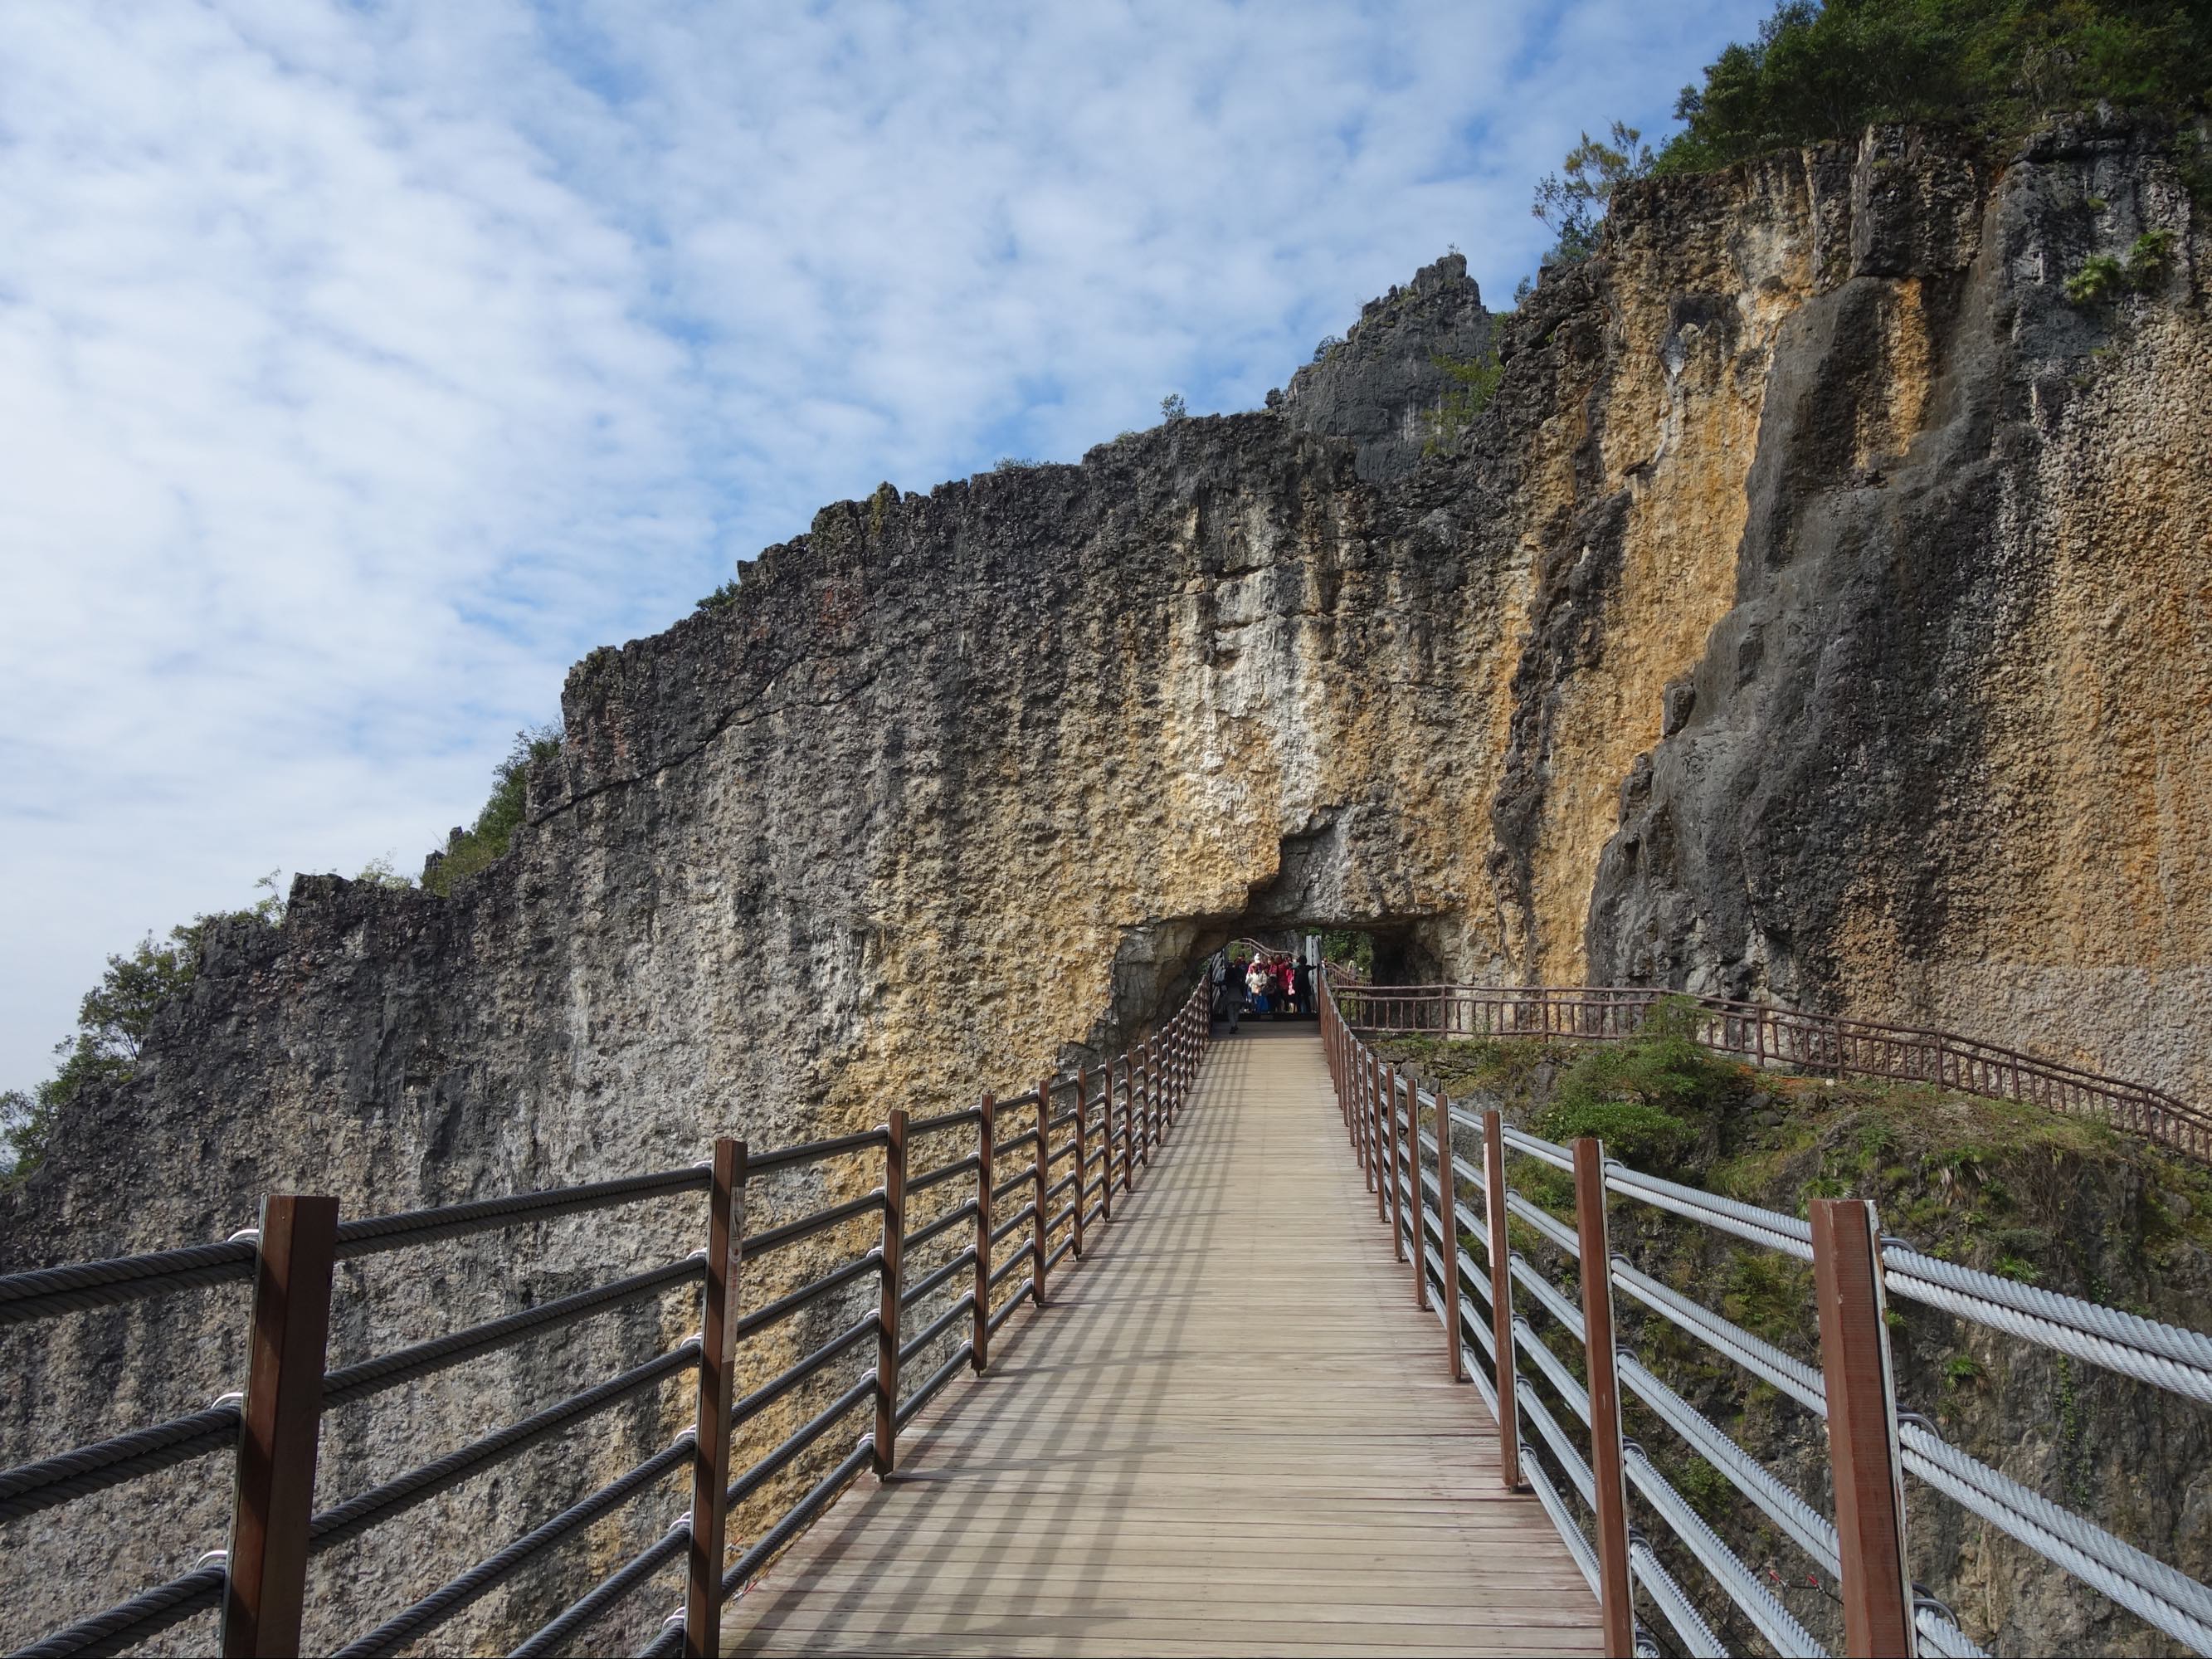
987 1148
1616 1610
1448 1219
1150 1096
1043 1169
274 1495
1082 1159
1170 1079
1106 1144
1501 1298
1383 1176
1128 1123
1364 1131
1863 1452
718 1367
1413 1194
893 1279
1397 1216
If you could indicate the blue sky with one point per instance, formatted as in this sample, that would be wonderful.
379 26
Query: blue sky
363 365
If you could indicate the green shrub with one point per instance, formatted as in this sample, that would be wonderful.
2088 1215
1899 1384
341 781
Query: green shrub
112 1022
1475 383
476 847
725 595
2101 279
2148 259
1636 1133
2104 277
1651 1098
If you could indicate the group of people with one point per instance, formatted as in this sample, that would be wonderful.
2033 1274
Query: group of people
1273 984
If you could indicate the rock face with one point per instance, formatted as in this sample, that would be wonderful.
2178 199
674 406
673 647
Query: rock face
1379 385
1819 611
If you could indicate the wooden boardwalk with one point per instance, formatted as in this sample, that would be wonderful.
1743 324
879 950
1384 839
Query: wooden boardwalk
1230 1433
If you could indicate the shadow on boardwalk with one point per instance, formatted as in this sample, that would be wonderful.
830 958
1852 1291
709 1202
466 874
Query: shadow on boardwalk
1230 1433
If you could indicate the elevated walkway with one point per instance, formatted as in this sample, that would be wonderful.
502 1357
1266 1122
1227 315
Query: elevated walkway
1230 1433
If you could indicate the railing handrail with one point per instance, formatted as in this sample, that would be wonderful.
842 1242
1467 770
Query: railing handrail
1904 1052
294 1388
1853 1391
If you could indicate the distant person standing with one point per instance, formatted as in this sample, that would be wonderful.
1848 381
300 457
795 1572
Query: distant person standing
1228 995
1255 984
1301 987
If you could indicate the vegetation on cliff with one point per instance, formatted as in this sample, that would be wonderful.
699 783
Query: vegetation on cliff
1819 72
470 849
1827 71
113 1022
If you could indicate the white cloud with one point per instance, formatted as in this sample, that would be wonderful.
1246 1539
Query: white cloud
365 364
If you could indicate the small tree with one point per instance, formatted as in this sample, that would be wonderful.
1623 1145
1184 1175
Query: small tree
112 1022
476 847
1172 407
1473 384
1572 207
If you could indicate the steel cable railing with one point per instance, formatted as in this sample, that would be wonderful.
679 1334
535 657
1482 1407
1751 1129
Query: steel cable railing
1110 1131
1383 1113
1769 1035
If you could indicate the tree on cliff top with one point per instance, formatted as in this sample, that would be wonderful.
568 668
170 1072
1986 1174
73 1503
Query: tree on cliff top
1572 203
113 1022
470 850
1827 71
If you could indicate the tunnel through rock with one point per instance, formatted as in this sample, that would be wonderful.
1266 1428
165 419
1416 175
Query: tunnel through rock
1159 962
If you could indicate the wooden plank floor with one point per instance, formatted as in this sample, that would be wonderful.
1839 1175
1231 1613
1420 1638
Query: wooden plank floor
1230 1433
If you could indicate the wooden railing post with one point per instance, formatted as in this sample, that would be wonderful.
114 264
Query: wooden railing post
1082 1160
1413 1192
1156 1073
1106 1144
1862 1453
1043 1170
1397 1216
1383 1173
274 1495
1447 1222
1501 1297
1616 1608
1128 1123
894 1283
987 1148
1364 1130
718 1368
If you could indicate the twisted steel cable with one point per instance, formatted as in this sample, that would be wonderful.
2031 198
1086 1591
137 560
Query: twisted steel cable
451 1597
381 1504
1697 1636
371 1377
608 1591
373 1234
45 1291
128 1623
30 1487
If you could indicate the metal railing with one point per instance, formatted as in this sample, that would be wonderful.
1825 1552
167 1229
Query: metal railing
272 1430
1766 1036
1497 1307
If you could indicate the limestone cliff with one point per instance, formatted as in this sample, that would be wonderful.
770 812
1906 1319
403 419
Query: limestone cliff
1819 611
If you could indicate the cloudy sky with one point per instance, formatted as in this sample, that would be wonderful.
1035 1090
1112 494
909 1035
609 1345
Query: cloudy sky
364 364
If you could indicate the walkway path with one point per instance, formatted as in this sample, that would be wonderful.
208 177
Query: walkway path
1230 1434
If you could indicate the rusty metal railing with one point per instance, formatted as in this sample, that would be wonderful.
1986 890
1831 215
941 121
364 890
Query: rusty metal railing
1549 1362
1766 1036
258 1582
